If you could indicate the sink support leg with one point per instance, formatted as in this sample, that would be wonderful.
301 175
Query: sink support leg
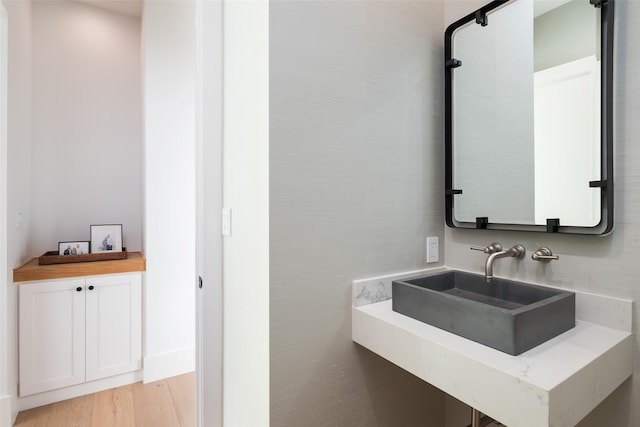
480 420
475 417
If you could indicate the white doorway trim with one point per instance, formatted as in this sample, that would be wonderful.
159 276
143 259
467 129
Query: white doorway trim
209 308
5 397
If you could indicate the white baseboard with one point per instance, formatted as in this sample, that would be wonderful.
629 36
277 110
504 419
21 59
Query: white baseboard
165 365
60 394
156 367
6 417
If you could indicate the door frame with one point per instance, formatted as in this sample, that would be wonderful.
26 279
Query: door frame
209 307
5 404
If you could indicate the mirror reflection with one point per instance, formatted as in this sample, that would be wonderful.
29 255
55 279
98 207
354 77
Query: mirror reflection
526 115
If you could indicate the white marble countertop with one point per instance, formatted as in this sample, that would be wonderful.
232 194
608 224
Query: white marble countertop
554 384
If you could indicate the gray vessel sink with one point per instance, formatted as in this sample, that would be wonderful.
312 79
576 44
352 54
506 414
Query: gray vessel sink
509 316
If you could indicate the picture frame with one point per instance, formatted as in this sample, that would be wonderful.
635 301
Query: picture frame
79 247
106 238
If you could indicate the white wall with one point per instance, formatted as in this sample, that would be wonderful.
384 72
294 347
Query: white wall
169 181
606 265
356 184
87 124
246 192
18 182
571 92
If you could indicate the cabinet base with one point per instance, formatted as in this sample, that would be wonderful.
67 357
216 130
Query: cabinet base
58 395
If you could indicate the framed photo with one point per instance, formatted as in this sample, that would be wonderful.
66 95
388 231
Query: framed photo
73 248
106 238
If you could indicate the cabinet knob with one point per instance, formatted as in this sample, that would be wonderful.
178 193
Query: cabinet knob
79 288
91 287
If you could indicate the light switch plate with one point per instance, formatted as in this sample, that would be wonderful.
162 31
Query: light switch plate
432 249
19 219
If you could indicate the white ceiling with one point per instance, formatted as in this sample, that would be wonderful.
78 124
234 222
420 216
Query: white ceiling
544 6
127 7
134 7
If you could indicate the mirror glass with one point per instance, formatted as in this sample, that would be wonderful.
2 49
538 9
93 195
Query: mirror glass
526 148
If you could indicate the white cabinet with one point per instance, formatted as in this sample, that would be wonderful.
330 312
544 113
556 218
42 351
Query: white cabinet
52 333
78 330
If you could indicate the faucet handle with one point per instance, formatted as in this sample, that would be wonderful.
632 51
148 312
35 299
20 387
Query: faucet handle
517 251
492 248
543 254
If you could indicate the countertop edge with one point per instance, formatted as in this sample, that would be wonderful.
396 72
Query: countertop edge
31 271
538 388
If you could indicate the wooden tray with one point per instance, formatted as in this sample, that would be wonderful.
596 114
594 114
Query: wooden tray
52 257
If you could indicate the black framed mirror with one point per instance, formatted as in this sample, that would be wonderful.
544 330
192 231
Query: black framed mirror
529 117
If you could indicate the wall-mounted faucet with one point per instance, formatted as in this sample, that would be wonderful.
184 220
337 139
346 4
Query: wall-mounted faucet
517 251
495 251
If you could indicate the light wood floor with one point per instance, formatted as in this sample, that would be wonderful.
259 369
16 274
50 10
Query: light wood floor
166 403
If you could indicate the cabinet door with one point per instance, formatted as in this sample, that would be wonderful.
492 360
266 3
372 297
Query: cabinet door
52 335
114 325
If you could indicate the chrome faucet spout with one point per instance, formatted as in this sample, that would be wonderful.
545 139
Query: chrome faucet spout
517 251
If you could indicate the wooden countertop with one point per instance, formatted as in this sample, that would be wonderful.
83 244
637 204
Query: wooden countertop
30 270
